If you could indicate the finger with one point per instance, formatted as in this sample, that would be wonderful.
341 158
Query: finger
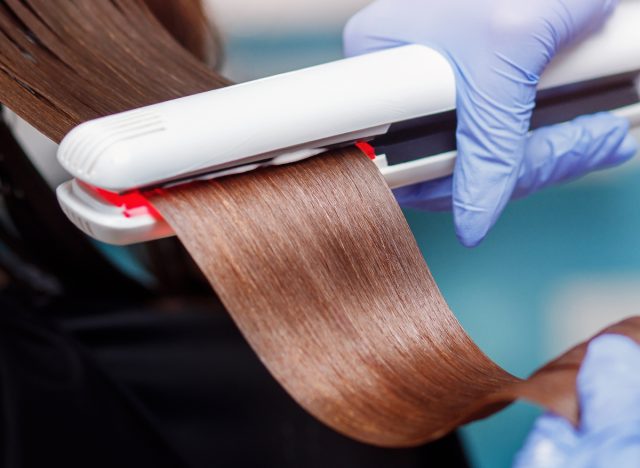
609 384
585 17
364 33
550 443
493 121
571 150
429 196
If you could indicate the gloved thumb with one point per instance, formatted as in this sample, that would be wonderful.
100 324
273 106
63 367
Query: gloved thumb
609 384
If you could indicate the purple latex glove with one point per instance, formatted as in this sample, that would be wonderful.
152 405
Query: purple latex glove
609 433
552 155
498 50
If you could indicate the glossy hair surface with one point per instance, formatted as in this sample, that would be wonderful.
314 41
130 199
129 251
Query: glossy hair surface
314 260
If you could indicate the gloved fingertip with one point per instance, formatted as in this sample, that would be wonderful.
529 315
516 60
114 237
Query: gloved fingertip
607 350
570 150
362 35
353 36
472 225
611 143
549 444
490 155
629 148
602 123
477 208
609 383
614 131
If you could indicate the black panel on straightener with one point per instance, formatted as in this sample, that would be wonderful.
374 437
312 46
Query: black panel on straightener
435 134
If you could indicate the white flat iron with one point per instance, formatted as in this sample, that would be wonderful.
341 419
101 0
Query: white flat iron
399 104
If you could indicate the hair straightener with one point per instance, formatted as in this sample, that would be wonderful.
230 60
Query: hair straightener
399 104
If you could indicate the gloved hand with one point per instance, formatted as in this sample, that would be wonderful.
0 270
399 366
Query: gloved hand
552 155
609 433
498 50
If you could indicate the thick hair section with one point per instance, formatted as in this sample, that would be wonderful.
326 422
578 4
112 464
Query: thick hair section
66 62
318 267
187 22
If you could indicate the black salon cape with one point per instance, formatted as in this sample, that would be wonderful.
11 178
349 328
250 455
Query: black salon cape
176 387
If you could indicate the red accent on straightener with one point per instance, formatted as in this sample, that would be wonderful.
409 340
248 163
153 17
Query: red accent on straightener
134 203
367 149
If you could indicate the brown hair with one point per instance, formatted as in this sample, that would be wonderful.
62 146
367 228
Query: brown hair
314 260
187 22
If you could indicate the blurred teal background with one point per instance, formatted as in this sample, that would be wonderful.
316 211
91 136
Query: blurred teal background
513 291
557 266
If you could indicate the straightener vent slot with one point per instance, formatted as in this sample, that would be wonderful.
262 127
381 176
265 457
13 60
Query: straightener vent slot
94 139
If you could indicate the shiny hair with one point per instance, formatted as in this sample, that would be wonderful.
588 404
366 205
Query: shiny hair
314 261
